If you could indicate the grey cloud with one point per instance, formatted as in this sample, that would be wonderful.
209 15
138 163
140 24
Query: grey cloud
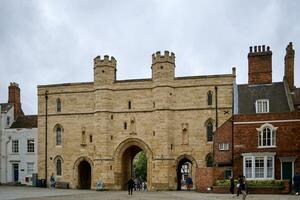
45 42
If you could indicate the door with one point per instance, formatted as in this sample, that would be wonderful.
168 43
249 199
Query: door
287 170
15 172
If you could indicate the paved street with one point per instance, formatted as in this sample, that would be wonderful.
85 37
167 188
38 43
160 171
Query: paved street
7 192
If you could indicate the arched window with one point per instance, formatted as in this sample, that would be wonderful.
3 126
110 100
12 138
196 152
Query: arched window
58 105
209 131
58 132
209 160
267 136
58 167
209 98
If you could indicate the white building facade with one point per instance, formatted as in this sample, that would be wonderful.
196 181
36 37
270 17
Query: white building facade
21 154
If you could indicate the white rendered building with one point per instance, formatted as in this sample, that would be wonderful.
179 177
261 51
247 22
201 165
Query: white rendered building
21 140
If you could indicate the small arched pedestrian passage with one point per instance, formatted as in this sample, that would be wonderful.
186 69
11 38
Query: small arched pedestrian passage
184 170
84 175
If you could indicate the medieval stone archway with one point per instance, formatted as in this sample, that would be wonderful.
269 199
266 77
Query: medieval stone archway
83 173
124 155
185 167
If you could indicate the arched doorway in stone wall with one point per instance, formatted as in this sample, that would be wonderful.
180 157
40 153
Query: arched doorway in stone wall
84 175
186 167
83 168
125 155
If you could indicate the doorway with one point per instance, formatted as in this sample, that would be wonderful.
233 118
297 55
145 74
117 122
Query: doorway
134 164
84 175
184 171
15 167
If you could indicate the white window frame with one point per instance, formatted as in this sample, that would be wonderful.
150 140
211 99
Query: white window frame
259 106
223 146
261 137
30 169
31 139
252 156
15 146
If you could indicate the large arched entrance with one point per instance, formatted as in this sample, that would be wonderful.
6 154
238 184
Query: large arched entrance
84 175
186 166
128 165
126 155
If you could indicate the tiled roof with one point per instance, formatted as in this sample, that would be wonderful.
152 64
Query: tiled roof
27 121
296 97
5 107
275 93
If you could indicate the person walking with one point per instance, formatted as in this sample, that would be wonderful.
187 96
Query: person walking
243 187
231 189
238 186
52 181
130 186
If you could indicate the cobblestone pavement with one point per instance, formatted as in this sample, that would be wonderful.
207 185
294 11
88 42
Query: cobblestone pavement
7 192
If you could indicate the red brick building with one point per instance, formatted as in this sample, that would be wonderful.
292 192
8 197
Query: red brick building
262 139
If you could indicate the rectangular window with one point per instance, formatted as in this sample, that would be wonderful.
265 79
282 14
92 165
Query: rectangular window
30 168
223 146
259 167
15 146
7 120
30 145
262 106
269 167
248 167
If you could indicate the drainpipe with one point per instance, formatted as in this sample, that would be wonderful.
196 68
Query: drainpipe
216 102
46 136
9 139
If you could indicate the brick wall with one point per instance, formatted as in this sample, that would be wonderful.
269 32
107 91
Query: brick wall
287 138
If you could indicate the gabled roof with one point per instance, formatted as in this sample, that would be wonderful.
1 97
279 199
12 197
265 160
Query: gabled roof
275 93
27 121
5 107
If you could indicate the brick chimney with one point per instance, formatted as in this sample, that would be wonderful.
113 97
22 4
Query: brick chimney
14 98
259 65
289 65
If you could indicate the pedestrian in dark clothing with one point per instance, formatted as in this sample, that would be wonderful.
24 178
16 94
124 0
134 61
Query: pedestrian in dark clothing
296 180
232 186
238 186
243 187
189 183
130 186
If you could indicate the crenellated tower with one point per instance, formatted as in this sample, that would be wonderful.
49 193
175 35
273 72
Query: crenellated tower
104 71
163 67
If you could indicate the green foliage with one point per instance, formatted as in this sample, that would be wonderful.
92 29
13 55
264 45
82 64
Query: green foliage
254 183
140 165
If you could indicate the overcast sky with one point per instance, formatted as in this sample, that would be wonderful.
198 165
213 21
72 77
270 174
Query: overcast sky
48 42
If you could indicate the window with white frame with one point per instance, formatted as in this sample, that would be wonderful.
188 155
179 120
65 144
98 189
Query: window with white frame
267 136
262 106
223 146
30 168
259 166
30 145
15 146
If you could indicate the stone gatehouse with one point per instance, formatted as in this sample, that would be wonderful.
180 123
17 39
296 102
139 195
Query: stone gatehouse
94 129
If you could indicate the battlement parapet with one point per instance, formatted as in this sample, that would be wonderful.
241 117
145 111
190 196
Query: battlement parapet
106 61
167 57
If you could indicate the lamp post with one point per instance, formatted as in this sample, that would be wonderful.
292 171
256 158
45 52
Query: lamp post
46 136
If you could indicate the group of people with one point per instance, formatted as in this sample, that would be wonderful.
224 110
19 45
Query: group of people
241 186
136 185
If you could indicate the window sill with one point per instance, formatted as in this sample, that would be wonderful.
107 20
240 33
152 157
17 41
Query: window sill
266 147
58 146
260 179
223 149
